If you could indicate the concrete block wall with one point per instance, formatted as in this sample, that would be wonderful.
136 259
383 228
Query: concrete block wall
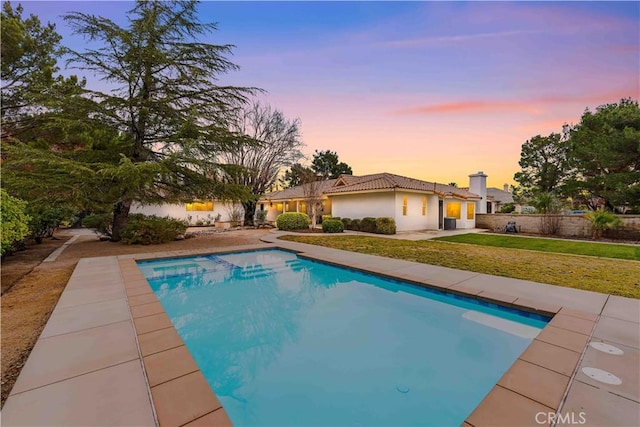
570 225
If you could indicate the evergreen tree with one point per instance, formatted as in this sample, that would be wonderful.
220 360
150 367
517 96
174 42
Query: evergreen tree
327 165
164 102
604 151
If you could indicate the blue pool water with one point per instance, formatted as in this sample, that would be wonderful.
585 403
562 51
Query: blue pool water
284 340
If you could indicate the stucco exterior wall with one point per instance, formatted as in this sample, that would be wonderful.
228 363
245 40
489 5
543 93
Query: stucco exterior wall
358 206
413 220
179 211
462 222
570 225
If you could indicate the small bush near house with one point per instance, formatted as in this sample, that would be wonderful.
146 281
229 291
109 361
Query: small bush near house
368 225
332 226
324 217
507 208
346 222
292 221
385 225
355 225
148 230
100 221
15 223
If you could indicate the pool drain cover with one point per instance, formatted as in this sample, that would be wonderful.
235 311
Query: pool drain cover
606 348
602 376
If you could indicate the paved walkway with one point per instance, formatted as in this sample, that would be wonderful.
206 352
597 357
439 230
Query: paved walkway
76 232
91 365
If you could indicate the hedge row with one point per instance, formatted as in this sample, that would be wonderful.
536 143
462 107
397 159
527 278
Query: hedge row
382 225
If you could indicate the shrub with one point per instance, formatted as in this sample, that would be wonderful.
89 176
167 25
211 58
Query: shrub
368 225
100 221
507 208
602 221
325 217
355 225
46 220
332 226
346 222
385 225
146 230
292 221
261 217
15 223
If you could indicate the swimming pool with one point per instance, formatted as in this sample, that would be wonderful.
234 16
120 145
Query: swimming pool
284 340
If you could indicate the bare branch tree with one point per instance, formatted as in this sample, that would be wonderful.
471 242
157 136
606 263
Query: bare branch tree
312 188
266 143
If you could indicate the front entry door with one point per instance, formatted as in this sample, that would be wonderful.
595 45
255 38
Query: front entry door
440 214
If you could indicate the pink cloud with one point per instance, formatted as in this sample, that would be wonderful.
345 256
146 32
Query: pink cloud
532 105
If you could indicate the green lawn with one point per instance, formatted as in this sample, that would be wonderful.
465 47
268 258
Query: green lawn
611 276
605 250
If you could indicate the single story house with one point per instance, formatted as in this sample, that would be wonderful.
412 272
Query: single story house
413 204
204 212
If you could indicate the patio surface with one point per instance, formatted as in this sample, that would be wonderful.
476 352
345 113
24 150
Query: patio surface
109 355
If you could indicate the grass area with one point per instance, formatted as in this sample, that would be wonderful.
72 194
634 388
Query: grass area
605 250
611 276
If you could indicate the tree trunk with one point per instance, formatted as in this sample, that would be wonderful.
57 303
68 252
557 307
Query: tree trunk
120 215
249 212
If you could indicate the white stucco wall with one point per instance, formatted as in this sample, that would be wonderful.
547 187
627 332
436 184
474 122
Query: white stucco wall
358 206
179 211
463 222
414 220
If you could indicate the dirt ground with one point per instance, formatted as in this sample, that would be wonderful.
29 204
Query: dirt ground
31 288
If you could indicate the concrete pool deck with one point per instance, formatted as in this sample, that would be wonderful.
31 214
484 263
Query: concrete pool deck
109 355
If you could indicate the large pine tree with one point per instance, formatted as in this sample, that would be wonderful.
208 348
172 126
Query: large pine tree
163 100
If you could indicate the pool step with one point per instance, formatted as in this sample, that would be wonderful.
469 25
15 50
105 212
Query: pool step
264 270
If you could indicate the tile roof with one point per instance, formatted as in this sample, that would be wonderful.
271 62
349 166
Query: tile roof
383 181
373 182
499 195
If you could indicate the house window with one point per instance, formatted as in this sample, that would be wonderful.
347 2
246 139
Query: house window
200 206
424 206
405 203
279 207
453 210
303 207
471 210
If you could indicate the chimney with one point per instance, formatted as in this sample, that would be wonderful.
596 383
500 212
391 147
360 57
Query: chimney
478 185
506 188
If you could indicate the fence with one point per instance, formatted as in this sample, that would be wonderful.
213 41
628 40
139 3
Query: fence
567 225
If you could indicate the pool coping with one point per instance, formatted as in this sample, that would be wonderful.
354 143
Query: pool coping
540 381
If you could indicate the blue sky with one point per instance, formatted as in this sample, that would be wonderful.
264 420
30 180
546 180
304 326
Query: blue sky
432 90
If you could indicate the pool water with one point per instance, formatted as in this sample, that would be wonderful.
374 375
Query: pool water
284 340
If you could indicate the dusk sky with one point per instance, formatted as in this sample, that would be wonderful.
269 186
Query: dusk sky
430 90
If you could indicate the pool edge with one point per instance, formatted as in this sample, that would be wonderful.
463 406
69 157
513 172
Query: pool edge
514 384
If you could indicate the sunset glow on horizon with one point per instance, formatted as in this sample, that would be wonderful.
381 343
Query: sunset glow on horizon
429 90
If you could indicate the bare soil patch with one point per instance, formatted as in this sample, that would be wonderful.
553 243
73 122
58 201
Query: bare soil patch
31 288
